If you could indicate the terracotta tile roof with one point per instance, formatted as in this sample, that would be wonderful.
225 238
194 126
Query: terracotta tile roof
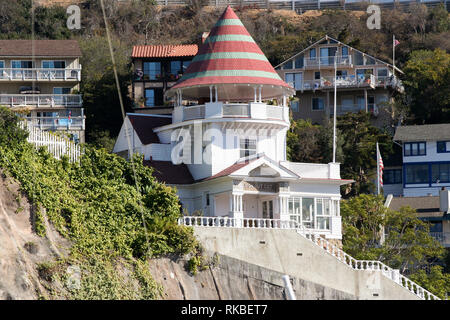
42 48
164 51
166 171
144 125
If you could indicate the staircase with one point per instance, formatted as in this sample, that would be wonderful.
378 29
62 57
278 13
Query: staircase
223 230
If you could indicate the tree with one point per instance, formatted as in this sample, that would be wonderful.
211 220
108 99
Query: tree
302 142
427 83
359 150
408 245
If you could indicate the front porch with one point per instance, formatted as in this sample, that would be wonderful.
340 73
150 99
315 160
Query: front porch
269 209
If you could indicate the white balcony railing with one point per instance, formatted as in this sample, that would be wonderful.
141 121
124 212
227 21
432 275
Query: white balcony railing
56 123
41 100
350 81
354 108
11 74
327 61
235 110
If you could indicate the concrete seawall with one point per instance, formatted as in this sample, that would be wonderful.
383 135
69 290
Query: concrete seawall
286 252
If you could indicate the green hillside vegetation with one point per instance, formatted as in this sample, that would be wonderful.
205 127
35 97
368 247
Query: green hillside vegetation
114 212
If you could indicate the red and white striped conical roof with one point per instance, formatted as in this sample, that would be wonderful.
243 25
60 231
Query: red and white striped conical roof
230 59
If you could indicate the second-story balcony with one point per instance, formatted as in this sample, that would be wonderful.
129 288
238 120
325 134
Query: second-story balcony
351 81
40 74
252 110
327 62
354 108
41 100
57 123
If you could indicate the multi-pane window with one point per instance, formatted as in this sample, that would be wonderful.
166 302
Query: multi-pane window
152 70
312 53
440 173
299 62
359 59
150 97
53 64
21 64
317 103
414 149
344 52
247 147
294 79
177 68
382 72
313 213
392 176
323 214
288 65
416 173
443 146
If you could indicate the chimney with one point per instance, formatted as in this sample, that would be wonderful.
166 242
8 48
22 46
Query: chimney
444 200
204 36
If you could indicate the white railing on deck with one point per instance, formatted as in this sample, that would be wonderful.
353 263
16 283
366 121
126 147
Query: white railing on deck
26 74
368 265
56 145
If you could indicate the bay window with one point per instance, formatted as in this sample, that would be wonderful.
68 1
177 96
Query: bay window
313 213
416 173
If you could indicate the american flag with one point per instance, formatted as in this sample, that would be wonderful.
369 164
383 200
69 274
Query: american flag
380 167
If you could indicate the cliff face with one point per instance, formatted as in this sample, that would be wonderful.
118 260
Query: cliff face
21 250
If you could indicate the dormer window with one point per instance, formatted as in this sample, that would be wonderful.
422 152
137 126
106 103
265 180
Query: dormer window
414 149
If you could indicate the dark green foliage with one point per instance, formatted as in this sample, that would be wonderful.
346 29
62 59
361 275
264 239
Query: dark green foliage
427 82
108 207
407 246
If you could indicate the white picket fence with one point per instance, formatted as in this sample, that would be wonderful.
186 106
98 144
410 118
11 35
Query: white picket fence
56 145
368 265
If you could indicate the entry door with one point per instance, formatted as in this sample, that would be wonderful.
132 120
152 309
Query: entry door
267 209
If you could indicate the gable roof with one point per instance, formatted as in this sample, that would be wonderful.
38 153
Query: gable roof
341 43
164 51
427 132
144 124
40 48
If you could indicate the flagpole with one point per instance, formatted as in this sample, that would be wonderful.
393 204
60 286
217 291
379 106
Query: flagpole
378 170
334 113
393 54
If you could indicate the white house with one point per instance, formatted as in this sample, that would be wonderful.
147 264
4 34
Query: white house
224 147
425 165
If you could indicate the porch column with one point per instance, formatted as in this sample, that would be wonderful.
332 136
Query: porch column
236 208
283 204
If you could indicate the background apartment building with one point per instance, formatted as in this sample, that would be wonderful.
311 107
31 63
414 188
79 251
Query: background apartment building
40 79
156 68
363 82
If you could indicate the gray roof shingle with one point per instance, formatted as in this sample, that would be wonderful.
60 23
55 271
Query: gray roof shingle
427 132
42 48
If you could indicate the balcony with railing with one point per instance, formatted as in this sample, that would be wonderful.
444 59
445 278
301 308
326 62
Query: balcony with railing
57 123
327 62
40 74
354 108
351 81
251 110
41 100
